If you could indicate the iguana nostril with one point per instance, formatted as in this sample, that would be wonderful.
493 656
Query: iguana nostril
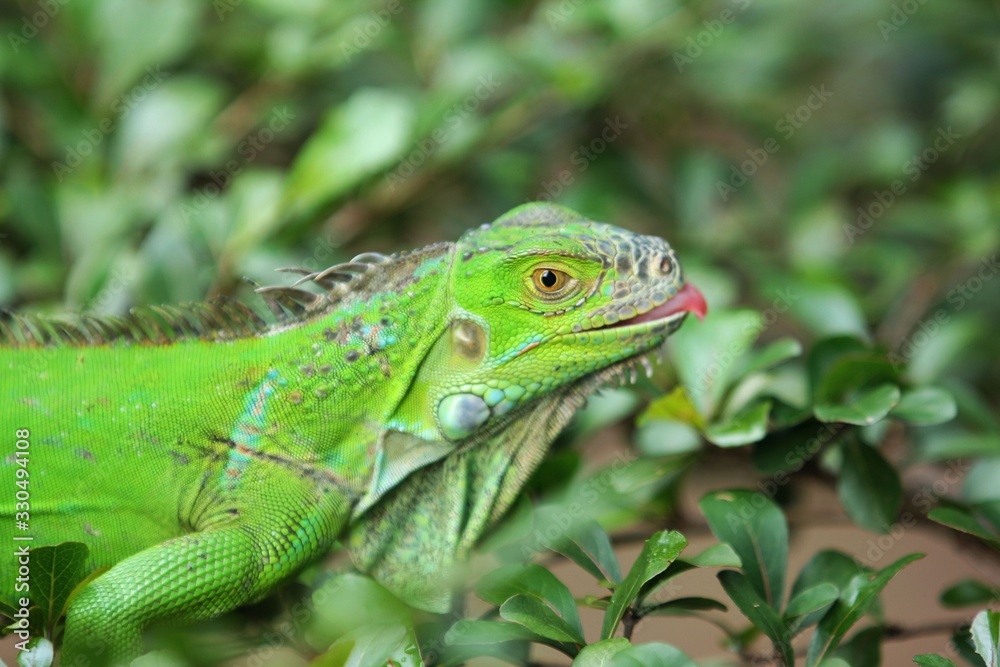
666 265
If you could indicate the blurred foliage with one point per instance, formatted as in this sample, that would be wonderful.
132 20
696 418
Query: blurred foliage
829 172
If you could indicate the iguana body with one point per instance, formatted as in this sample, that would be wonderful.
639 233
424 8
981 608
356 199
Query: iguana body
205 456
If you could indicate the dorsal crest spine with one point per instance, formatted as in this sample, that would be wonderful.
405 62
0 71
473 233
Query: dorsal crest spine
220 319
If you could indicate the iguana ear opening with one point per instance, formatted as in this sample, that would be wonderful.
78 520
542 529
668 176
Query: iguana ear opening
468 339
442 403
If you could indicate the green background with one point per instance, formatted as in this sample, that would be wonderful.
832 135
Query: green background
833 166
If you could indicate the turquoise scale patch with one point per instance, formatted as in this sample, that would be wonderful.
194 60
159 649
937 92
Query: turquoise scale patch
493 396
514 392
248 430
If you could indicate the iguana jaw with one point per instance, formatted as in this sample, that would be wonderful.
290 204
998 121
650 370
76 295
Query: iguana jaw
688 300
651 328
654 322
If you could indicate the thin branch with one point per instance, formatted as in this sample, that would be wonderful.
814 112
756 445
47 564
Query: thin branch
898 632
629 620
890 633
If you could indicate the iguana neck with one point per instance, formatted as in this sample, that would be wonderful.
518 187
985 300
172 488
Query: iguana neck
332 379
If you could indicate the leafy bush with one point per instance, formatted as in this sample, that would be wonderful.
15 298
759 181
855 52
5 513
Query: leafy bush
828 174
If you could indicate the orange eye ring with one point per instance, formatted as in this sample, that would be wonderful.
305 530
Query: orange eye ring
549 281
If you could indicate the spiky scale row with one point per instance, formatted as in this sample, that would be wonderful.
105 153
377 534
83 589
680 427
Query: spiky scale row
220 318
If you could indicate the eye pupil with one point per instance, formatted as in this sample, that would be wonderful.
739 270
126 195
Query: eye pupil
550 281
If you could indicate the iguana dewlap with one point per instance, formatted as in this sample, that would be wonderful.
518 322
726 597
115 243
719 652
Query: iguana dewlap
206 456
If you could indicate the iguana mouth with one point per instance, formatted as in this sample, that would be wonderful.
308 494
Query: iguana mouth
688 300
668 314
655 320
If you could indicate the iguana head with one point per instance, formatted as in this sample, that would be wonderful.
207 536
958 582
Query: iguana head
543 306
543 298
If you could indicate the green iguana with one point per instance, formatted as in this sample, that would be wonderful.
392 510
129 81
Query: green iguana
206 456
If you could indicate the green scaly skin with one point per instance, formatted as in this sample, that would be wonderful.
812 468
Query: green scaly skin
205 457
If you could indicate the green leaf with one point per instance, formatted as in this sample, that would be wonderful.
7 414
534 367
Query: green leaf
957 445
791 449
745 427
757 530
837 372
620 653
827 308
705 356
667 438
759 612
137 44
789 386
532 612
675 406
825 567
373 646
975 407
925 406
961 519
588 545
371 605
980 484
986 636
534 580
601 653
55 572
932 660
785 415
961 640
865 407
513 653
657 554
854 602
990 512
653 654
594 602
170 122
864 649
6 610
602 410
363 136
39 654
826 353
717 555
969 593
809 604
777 352
943 349
683 607
868 487
474 632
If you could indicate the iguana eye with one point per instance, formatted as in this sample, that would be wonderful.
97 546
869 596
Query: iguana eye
550 281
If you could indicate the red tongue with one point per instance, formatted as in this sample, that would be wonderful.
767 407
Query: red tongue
689 299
